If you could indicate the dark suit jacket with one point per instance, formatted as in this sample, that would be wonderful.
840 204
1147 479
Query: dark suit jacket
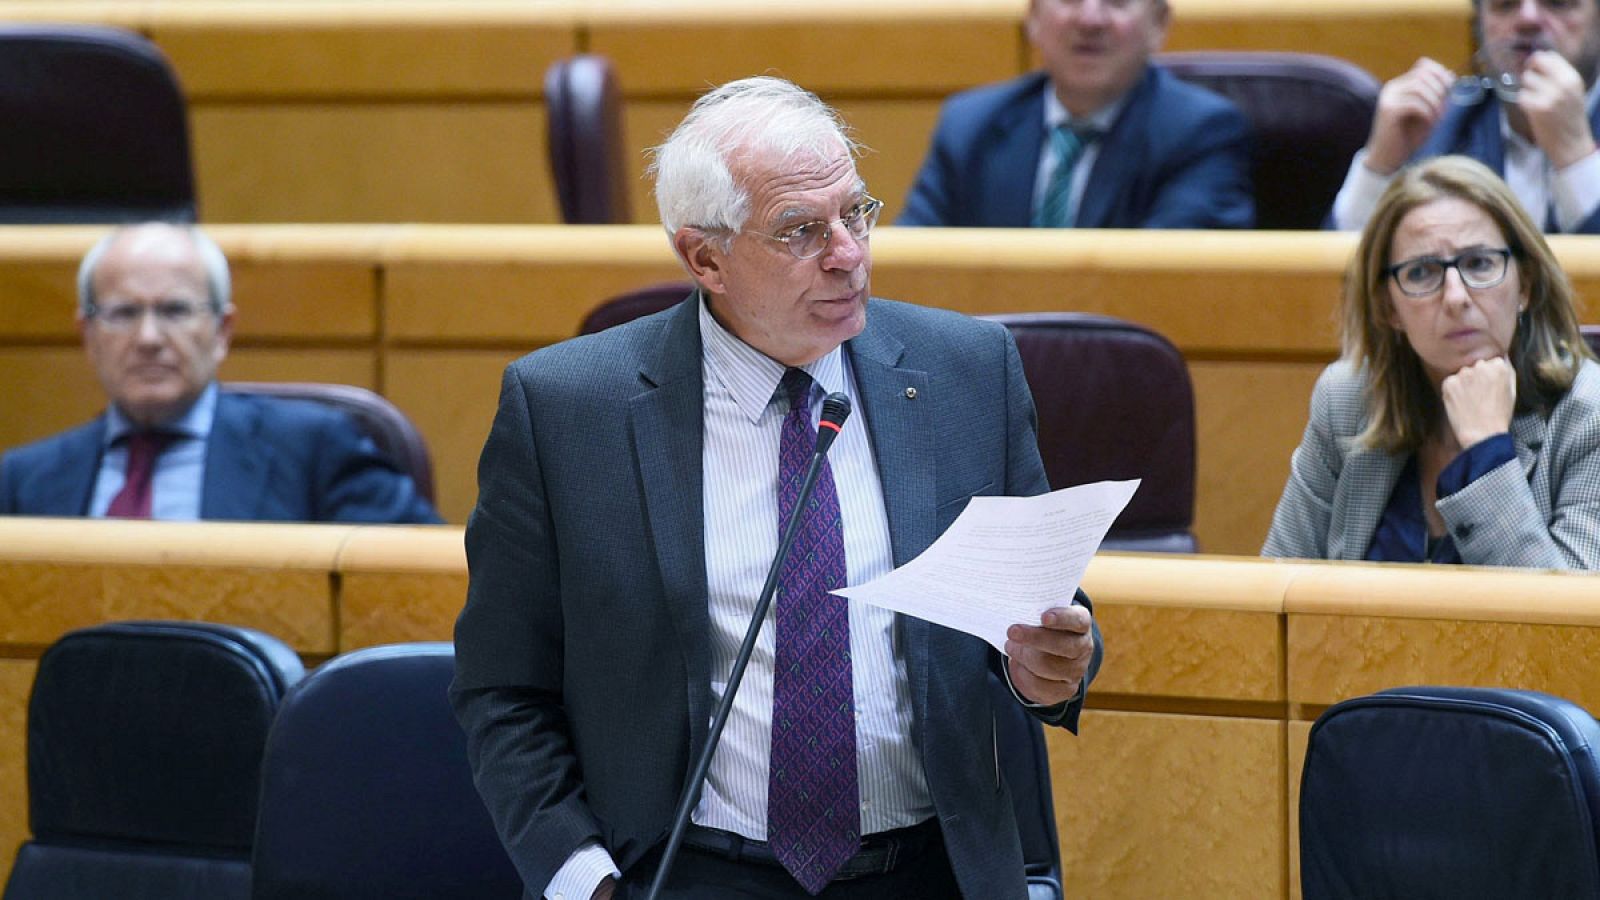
582 658
1475 131
267 460
1177 156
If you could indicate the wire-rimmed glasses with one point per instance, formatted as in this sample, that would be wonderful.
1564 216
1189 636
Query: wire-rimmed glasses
1494 71
809 239
1479 267
170 315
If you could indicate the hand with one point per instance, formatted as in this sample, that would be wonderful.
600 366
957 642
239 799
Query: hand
1479 400
1555 101
1409 105
1046 662
606 889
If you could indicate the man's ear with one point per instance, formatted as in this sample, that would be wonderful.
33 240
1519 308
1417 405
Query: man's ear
703 256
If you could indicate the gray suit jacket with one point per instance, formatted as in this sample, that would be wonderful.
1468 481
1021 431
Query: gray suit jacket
1541 511
582 659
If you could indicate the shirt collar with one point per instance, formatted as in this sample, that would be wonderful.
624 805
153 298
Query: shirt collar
1099 121
750 376
194 423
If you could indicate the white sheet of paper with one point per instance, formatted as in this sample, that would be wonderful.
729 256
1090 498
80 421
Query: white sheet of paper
1004 561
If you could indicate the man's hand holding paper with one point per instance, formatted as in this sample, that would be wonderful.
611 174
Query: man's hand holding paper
1006 571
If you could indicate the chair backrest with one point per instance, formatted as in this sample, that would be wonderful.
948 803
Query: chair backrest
1451 792
588 158
1114 402
1025 765
144 758
634 304
1310 113
366 791
96 128
389 428
1591 336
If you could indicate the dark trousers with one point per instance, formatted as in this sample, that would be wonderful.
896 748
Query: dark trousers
703 875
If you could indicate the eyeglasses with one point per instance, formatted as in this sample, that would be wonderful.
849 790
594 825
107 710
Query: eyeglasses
169 314
1481 267
811 238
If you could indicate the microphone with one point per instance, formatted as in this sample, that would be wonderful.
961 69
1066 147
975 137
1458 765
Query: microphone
835 409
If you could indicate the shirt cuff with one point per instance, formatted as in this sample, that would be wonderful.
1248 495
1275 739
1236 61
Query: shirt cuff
1576 192
1475 462
582 873
1359 194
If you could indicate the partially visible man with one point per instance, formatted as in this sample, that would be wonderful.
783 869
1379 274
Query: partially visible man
630 499
1529 112
1102 138
155 316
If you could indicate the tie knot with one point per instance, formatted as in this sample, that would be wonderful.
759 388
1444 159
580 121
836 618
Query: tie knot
1075 135
796 385
148 443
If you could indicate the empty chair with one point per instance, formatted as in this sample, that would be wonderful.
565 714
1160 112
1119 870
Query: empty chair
1025 763
1451 792
588 158
1114 402
144 759
389 428
96 128
633 304
366 791
1310 113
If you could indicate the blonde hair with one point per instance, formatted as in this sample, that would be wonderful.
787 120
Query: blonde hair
1547 348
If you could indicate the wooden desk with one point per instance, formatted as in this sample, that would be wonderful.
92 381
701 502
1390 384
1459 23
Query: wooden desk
407 111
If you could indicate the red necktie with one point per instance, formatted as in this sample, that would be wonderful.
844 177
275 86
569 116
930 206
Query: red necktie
133 501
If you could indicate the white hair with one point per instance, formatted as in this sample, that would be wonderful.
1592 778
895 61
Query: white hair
761 116
219 285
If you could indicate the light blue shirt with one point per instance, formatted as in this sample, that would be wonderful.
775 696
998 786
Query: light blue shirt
180 469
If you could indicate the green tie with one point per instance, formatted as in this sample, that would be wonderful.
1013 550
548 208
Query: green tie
1055 209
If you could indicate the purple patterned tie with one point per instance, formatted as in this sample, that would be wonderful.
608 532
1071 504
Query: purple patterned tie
813 813
133 501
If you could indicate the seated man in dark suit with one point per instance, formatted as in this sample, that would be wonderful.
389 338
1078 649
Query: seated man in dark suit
156 318
1100 139
1530 112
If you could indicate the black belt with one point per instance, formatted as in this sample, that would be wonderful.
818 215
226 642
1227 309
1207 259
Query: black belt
880 853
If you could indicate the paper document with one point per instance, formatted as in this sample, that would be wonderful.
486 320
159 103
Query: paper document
1004 561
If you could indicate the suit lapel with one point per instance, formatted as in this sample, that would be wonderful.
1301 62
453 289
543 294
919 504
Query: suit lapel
236 464
900 428
1368 478
668 433
1121 158
66 486
1018 135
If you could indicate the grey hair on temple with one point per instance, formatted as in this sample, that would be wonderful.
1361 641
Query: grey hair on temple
218 282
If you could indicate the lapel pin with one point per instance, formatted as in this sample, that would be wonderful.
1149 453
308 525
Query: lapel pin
911 393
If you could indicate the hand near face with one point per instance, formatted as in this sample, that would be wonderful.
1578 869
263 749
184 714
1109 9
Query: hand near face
1048 661
1479 400
1408 108
1553 98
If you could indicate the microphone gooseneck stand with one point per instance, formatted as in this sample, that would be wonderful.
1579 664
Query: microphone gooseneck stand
835 409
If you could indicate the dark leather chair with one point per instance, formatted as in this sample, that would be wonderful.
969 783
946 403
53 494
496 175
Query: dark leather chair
1591 336
1451 792
96 128
634 304
1025 765
389 428
366 791
1311 114
1114 402
588 157
144 760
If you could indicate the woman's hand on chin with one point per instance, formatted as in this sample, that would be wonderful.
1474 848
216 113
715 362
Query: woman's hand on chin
1479 400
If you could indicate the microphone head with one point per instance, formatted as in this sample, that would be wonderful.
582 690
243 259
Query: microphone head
835 409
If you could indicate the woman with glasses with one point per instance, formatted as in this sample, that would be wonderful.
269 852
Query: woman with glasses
1462 424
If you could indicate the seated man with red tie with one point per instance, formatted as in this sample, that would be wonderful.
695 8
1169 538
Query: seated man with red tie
156 318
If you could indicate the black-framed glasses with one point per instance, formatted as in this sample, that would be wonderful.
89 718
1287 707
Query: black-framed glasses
169 314
1480 267
809 239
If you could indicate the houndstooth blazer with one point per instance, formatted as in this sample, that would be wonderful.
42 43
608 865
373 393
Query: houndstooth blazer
1541 511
